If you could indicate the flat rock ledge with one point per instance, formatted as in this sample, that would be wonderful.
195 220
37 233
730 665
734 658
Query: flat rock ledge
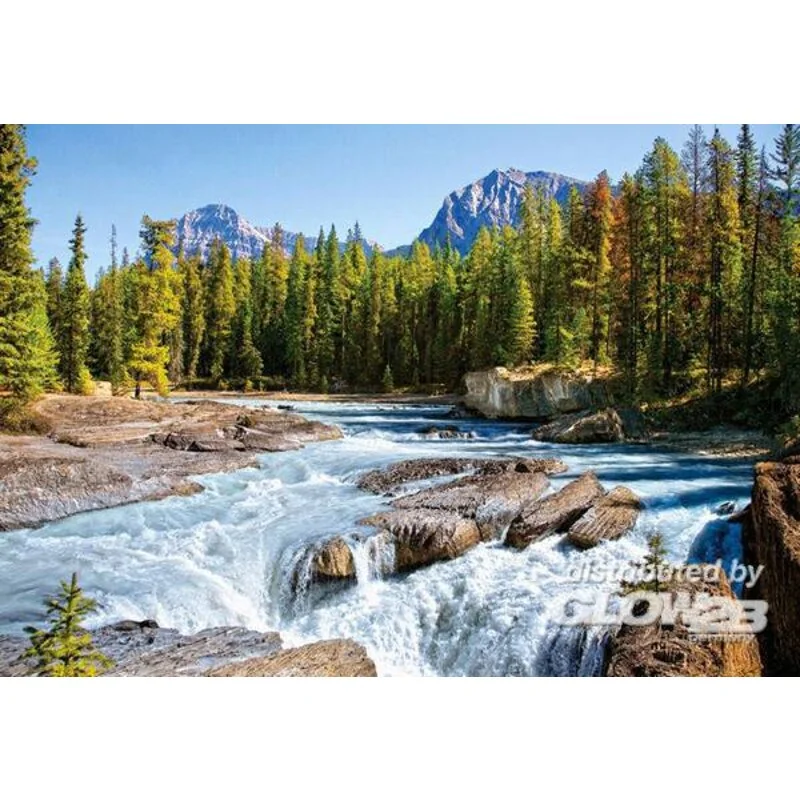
142 649
389 480
104 452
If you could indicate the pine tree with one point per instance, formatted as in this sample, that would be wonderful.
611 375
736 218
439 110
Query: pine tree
73 335
221 308
194 320
27 356
54 282
65 650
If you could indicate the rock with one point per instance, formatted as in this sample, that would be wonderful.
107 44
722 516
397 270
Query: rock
610 517
554 513
460 411
103 389
389 479
423 536
771 538
285 407
660 651
127 625
531 394
333 559
335 658
585 428
106 452
725 509
492 500
447 432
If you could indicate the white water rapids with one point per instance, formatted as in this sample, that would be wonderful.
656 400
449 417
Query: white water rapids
227 556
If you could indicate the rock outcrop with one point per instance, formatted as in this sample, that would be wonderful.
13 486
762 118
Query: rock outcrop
143 649
534 395
609 518
105 452
554 513
657 650
389 479
598 427
334 658
771 537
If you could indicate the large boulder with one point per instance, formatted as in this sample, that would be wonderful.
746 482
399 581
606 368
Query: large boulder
658 650
771 537
554 513
423 536
389 480
585 428
492 500
333 560
531 394
609 518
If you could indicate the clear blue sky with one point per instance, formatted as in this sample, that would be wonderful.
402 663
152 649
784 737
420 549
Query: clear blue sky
392 179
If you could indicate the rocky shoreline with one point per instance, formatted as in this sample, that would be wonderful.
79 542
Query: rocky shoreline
143 649
105 452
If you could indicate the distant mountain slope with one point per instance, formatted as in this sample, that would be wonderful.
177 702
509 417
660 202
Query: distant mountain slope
491 201
197 229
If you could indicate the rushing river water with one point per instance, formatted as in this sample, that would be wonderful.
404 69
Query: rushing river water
227 556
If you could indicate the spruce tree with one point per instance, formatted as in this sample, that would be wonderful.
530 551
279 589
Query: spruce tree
65 650
73 336
194 321
27 355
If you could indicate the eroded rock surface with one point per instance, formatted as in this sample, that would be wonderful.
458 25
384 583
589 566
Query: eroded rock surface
599 427
610 517
554 513
389 479
105 452
670 651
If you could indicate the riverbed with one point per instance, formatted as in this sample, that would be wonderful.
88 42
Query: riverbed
229 555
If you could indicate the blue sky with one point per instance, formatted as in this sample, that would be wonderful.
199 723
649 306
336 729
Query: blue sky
392 179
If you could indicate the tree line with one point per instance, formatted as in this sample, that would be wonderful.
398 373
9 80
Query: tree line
684 275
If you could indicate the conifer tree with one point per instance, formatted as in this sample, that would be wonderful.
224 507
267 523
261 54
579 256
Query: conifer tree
221 308
27 354
65 650
194 320
73 335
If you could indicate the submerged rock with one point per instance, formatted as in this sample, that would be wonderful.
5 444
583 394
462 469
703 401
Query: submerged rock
445 432
333 559
389 479
610 517
554 513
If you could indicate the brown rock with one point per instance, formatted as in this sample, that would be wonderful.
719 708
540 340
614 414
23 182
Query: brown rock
587 428
660 651
335 658
389 479
492 500
423 536
771 537
108 451
609 518
333 559
554 513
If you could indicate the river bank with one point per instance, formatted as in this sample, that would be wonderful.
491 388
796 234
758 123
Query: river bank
105 452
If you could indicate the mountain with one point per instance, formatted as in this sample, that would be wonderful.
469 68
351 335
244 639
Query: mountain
197 229
491 201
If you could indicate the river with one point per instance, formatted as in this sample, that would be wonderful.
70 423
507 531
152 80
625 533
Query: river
227 556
